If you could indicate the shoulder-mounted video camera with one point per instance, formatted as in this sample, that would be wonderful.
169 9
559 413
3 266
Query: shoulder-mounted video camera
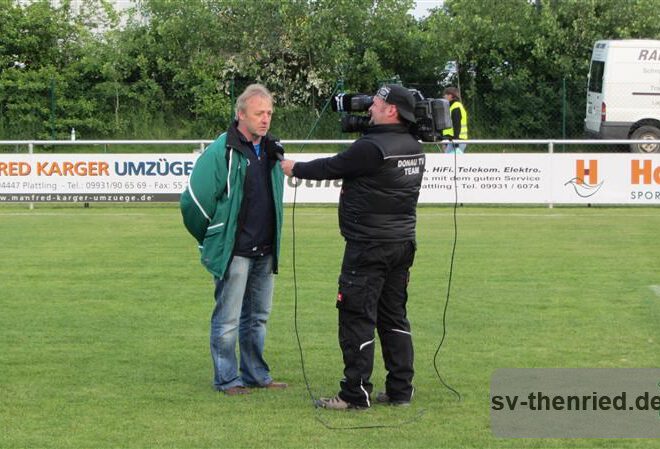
431 114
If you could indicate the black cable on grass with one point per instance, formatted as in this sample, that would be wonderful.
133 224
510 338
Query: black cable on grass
293 258
318 417
451 271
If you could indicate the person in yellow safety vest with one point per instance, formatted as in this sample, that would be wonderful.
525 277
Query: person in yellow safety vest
459 119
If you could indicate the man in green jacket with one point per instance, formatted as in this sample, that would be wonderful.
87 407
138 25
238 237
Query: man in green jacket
233 208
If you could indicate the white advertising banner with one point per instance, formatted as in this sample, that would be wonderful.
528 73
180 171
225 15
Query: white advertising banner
93 177
515 178
486 178
606 178
519 178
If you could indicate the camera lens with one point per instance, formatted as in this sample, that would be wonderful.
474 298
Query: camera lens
361 102
354 123
344 102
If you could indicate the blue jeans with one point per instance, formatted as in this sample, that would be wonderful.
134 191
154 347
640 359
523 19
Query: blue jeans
243 300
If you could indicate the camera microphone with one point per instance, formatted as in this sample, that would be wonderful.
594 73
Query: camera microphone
351 102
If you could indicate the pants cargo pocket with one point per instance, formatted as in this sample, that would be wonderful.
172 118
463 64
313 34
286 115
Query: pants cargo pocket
352 292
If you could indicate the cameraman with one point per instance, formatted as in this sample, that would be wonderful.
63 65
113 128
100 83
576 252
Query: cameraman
382 173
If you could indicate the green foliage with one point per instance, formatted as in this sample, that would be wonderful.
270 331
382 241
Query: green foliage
515 55
45 76
173 69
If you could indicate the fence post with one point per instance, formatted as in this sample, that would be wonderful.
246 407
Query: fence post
563 112
231 98
551 151
31 151
52 108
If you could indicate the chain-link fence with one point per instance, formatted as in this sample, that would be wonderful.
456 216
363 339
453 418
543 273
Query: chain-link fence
553 111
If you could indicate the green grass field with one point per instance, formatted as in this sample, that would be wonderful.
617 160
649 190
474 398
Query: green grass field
104 326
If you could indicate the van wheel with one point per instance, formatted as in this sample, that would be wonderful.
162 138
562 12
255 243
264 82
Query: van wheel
648 133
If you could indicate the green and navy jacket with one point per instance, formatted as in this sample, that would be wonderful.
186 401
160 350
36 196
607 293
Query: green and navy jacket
211 203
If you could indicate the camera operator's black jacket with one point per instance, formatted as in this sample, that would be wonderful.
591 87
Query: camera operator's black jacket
382 174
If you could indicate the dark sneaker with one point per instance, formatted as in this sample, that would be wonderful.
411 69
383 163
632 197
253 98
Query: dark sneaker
383 398
271 386
234 391
336 403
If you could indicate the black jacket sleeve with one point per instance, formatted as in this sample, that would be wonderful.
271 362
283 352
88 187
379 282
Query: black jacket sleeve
361 158
456 117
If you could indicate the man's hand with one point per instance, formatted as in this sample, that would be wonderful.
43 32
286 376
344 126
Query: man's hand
287 166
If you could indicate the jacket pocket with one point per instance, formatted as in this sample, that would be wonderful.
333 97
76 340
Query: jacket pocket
214 228
352 292
219 221
213 244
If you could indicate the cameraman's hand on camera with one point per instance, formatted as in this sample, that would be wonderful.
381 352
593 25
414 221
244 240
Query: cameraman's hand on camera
287 166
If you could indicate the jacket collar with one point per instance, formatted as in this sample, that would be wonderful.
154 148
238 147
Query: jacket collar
395 128
237 141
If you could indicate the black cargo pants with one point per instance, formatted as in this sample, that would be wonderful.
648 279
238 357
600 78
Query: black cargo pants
373 295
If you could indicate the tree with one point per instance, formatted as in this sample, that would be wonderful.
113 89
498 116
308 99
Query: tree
175 68
514 57
300 49
44 78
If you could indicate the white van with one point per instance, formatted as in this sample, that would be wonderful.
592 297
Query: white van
623 93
